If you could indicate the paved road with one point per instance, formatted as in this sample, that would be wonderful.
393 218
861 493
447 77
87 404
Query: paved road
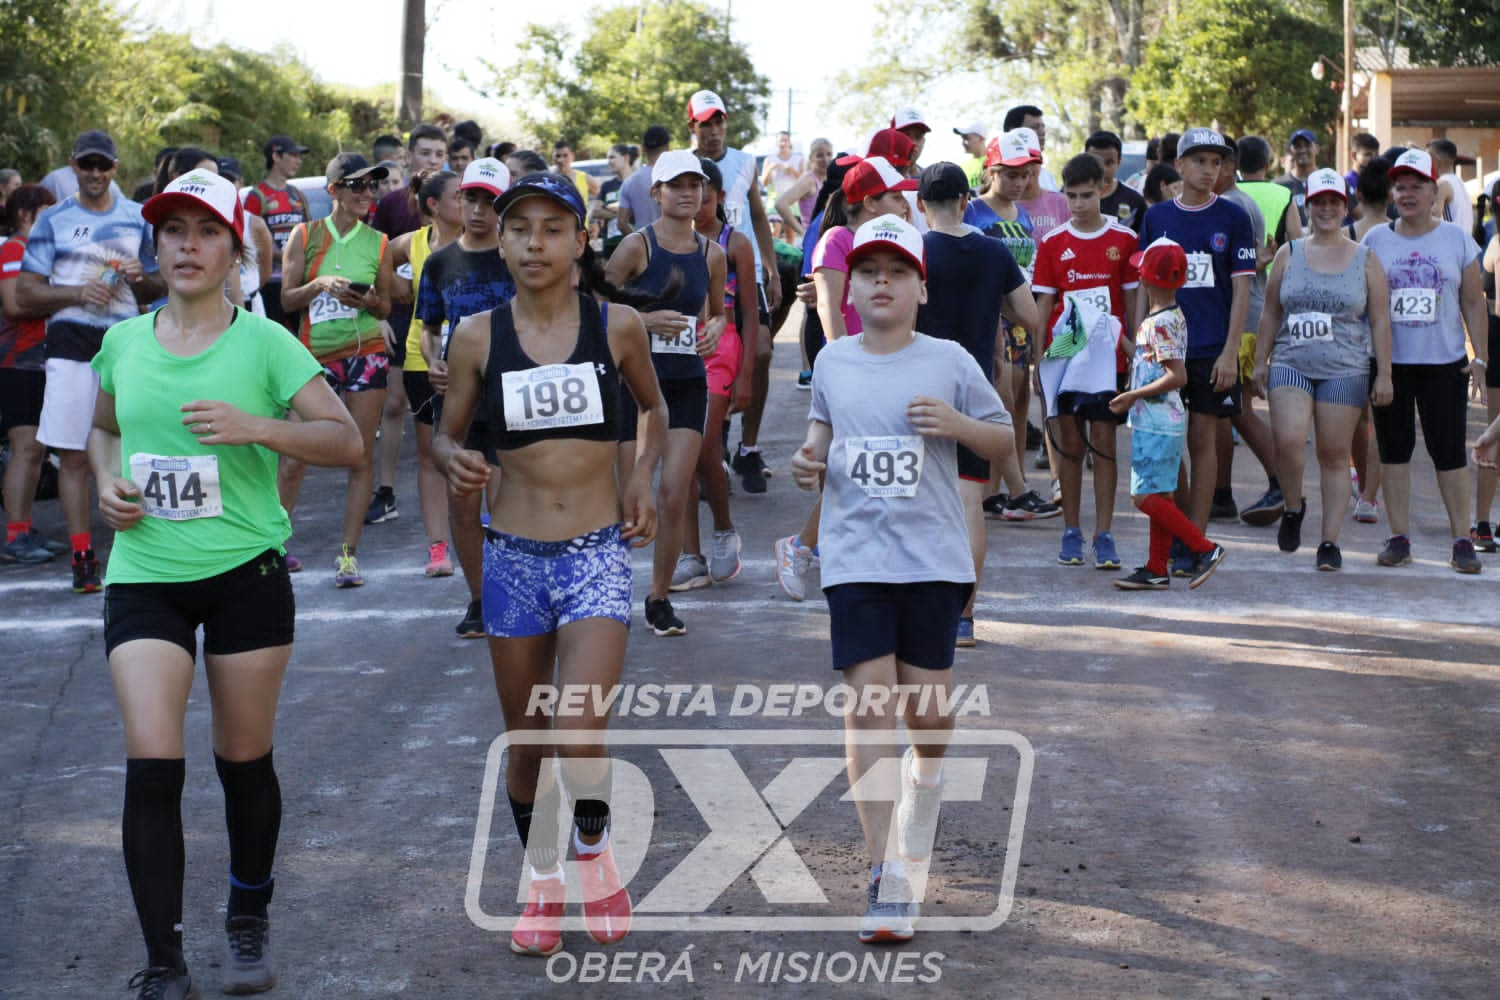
1281 784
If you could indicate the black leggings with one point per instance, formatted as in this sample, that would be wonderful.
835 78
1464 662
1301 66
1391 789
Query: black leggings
813 337
1440 395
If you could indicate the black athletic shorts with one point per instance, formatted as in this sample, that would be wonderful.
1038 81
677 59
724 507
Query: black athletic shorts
249 607
918 622
1200 396
1440 394
764 305
973 466
420 396
687 406
21 392
1491 376
1093 406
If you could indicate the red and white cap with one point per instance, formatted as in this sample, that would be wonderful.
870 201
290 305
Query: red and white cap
1413 161
908 117
1325 181
704 105
675 163
1163 263
1010 150
487 174
1033 142
872 178
892 233
199 189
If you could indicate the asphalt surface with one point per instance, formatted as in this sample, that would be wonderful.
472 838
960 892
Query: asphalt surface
1281 784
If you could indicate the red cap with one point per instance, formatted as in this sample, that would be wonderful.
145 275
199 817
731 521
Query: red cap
1163 264
895 146
872 178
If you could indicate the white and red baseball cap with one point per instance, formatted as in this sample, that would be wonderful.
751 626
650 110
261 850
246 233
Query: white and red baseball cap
675 163
487 174
889 232
1413 161
872 178
1032 140
1325 181
908 117
1010 150
199 189
704 105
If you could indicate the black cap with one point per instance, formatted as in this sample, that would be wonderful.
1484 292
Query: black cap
94 143
230 167
656 137
943 182
352 166
283 144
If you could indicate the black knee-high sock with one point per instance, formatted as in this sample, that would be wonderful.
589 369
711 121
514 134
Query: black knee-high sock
591 804
252 811
151 832
536 823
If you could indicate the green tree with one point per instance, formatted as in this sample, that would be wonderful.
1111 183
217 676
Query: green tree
1239 64
636 67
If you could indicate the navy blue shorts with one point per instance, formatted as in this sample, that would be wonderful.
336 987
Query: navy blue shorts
246 608
918 622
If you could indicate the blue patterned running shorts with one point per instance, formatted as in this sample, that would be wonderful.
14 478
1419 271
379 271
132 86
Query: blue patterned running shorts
533 588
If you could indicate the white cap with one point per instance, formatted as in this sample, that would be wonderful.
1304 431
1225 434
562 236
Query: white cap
1413 161
907 117
675 163
704 105
975 127
889 232
1325 181
487 173
200 189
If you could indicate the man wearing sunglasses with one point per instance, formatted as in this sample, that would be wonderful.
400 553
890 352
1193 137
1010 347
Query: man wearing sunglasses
89 261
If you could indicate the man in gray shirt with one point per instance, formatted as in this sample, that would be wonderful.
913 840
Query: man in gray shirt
637 210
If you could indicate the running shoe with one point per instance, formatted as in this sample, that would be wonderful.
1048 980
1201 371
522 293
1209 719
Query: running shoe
1483 537
23 551
606 904
917 814
1204 566
472 627
41 541
1183 560
1224 507
1265 510
662 619
965 639
724 561
1143 579
438 563
804 381
1105 556
890 912
1030 507
1397 551
751 469
1289 535
293 564
248 967
1041 462
1464 560
994 506
382 506
1330 559
793 562
1056 492
1367 511
346 570
86 573
539 931
1071 553
162 983
690 574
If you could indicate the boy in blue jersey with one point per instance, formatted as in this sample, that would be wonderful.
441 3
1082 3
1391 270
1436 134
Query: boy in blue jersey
1217 237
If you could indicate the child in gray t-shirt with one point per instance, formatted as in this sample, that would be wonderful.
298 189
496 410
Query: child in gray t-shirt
889 406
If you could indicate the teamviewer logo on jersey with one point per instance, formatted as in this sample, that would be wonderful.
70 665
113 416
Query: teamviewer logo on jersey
756 830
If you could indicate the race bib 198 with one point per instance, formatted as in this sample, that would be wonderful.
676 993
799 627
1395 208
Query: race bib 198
1307 326
552 396
1413 305
1200 270
178 488
684 341
326 308
885 466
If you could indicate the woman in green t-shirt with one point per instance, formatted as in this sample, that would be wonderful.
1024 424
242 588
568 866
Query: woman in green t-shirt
187 430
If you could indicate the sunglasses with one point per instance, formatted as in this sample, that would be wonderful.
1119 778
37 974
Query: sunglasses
359 185
95 164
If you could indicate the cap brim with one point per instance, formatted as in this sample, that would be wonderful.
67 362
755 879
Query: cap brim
1397 171
1137 258
672 177
1222 151
703 117
106 153
374 173
885 246
159 206
481 186
504 202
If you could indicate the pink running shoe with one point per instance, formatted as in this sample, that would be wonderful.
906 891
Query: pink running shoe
606 904
539 931
438 563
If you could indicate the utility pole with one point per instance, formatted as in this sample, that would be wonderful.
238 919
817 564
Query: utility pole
1346 97
413 47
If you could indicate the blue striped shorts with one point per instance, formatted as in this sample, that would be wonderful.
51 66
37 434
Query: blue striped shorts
1346 390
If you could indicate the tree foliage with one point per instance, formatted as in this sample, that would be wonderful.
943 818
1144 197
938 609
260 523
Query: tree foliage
1239 64
1434 32
636 67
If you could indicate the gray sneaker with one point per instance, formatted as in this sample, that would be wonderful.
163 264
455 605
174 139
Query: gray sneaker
248 967
890 913
26 550
162 983
917 815
690 574
724 563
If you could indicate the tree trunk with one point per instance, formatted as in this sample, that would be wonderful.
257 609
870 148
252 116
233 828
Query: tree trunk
413 46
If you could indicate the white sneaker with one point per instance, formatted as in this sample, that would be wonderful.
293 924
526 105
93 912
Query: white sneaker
690 574
792 565
724 564
917 814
